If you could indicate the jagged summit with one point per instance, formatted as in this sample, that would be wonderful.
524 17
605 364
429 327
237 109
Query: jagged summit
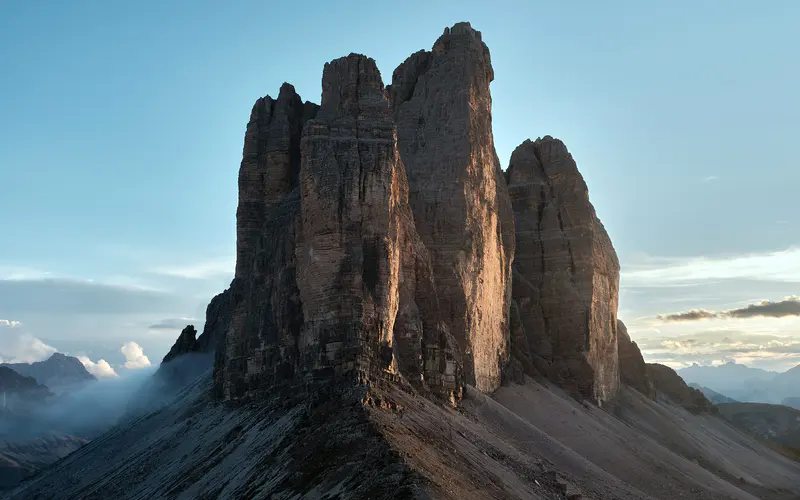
55 371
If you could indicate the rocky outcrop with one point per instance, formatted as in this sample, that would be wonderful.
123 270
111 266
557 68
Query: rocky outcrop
667 383
632 368
340 285
442 106
566 272
186 343
218 320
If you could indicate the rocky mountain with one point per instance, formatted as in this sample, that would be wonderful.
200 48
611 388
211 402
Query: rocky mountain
19 391
20 459
566 273
405 321
55 372
713 395
632 368
777 423
667 383
743 383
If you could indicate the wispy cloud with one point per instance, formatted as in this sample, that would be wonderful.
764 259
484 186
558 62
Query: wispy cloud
201 270
710 178
9 323
781 266
171 324
19 347
790 306
70 296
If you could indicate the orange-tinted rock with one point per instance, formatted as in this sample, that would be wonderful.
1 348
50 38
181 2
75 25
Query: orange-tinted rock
442 105
333 282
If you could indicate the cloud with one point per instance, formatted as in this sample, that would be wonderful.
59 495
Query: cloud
68 296
134 356
171 324
712 347
790 306
213 268
17 347
9 323
101 369
710 178
780 266
693 315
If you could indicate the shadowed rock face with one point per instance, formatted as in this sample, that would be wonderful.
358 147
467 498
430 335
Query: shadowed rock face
566 272
442 106
667 383
338 284
632 368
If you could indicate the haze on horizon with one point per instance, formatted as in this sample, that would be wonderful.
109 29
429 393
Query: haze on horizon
121 136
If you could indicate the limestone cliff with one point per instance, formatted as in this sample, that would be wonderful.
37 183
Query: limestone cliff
566 272
632 368
443 109
335 282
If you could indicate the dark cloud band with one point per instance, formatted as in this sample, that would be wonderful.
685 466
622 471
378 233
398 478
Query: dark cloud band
790 306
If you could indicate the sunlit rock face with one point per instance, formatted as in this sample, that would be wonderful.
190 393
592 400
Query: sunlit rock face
566 273
443 109
335 282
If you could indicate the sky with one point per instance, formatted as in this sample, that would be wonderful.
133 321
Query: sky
121 128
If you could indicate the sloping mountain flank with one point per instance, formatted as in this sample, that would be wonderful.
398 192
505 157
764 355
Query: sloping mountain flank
56 371
406 322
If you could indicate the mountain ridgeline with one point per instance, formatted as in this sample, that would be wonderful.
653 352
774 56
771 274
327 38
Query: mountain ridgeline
379 241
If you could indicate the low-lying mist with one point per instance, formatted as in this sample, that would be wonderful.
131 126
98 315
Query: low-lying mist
87 410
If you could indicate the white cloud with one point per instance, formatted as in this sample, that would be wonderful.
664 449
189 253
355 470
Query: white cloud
9 323
710 178
101 369
780 266
134 356
202 270
18 347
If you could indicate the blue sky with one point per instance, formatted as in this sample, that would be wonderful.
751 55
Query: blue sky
122 123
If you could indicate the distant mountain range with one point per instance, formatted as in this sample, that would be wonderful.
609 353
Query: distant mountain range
713 395
35 430
56 372
743 383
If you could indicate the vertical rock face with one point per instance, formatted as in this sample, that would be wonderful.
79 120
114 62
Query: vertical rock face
566 272
260 346
442 106
333 281
632 368
368 299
